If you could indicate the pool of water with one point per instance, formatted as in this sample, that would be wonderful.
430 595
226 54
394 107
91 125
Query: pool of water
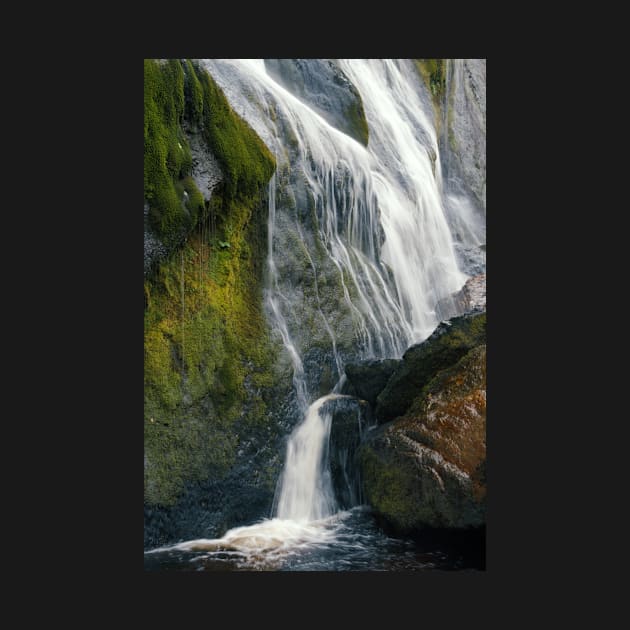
346 541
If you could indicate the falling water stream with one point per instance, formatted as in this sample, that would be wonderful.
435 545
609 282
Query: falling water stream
391 285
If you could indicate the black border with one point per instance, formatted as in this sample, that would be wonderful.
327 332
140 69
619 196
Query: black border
107 374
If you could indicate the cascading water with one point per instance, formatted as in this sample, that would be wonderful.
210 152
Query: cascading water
306 492
359 193
272 299
379 227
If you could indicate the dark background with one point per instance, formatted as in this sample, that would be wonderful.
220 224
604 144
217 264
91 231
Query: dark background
87 305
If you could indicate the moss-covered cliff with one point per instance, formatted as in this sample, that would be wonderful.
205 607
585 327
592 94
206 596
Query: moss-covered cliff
433 71
208 356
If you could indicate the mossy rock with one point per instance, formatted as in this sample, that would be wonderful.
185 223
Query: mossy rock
433 71
167 158
427 468
447 344
370 377
179 95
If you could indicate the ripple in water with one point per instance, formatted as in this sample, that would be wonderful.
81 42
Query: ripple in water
346 541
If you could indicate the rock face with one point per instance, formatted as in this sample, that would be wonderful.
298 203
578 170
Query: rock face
324 86
450 341
426 469
467 128
206 171
370 377
462 145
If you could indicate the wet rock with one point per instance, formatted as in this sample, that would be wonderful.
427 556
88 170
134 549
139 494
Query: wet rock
154 250
350 419
206 509
427 468
449 342
370 377
206 171
471 297
464 146
322 85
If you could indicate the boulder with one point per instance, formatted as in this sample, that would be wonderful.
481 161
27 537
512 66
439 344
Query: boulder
448 343
368 378
427 468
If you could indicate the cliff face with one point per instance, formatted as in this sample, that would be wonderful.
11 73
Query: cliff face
465 133
210 375
458 95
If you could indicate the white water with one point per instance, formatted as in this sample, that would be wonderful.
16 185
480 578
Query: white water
306 492
391 184
395 183
273 295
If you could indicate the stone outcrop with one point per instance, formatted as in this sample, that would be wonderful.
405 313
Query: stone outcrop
450 341
426 469
368 378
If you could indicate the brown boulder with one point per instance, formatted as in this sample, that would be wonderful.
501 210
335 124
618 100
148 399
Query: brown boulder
427 467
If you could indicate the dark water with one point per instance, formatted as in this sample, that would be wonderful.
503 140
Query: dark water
358 545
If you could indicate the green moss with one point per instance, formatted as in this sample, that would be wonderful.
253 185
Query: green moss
433 72
166 152
194 95
246 162
390 489
357 122
195 203
198 354
205 331
161 376
174 92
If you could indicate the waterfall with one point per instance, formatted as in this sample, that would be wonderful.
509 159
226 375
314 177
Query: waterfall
380 232
379 209
306 491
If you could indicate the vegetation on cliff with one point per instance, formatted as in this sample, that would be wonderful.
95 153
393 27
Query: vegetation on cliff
208 356
433 71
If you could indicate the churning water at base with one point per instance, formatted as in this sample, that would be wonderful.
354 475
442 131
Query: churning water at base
346 541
